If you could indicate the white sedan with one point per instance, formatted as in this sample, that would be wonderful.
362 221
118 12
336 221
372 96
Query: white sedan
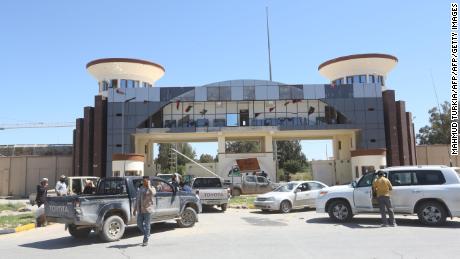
292 195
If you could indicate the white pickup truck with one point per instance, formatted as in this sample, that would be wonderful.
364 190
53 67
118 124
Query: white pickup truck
431 192
211 192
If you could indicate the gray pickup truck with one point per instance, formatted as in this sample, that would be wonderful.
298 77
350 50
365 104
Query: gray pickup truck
109 210
249 184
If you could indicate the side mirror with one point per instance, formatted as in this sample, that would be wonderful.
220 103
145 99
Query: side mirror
296 191
353 184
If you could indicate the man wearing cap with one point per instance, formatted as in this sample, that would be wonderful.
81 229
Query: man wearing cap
40 199
61 186
382 186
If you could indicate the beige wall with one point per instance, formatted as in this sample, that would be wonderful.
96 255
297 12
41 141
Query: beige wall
19 176
435 155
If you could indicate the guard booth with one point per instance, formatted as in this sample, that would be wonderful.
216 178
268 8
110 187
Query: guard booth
127 165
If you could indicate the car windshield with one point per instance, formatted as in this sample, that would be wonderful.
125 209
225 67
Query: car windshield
286 188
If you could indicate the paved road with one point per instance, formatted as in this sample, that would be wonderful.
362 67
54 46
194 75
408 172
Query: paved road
240 234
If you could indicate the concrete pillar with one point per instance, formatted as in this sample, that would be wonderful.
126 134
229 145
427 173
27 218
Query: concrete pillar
335 148
149 163
221 144
268 144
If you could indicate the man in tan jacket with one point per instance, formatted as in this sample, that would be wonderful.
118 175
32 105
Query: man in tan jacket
145 205
382 187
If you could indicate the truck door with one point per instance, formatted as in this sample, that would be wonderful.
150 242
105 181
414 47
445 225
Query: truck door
249 184
167 202
362 193
263 185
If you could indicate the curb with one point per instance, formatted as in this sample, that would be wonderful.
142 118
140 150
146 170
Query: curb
17 229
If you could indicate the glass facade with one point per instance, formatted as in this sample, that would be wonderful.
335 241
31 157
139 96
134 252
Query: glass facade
285 113
362 79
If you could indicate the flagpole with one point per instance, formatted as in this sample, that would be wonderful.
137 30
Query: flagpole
268 43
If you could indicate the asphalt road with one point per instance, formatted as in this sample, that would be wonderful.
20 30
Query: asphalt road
240 234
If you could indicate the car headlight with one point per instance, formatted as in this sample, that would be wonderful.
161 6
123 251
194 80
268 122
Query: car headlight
271 199
322 193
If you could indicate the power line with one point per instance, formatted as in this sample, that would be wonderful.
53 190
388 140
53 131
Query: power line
37 125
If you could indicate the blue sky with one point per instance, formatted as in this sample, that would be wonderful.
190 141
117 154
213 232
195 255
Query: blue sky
46 44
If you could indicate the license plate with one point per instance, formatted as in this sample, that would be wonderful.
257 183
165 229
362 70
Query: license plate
211 202
58 210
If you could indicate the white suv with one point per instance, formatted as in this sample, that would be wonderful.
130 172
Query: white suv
431 192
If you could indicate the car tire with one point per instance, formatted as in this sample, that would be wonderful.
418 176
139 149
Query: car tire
223 207
78 233
285 206
188 218
432 213
236 192
340 211
112 229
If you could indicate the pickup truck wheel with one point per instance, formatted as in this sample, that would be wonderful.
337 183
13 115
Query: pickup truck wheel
223 207
113 229
340 211
285 207
79 233
236 192
188 218
431 213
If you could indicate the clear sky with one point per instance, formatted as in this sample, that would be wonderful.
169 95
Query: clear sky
45 46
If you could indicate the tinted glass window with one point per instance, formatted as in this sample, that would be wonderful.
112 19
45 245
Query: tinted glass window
362 78
401 178
225 93
213 93
371 79
349 80
249 92
112 186
429 177
366 180
315 186
207 183
261 179
251 179
285 92
303 187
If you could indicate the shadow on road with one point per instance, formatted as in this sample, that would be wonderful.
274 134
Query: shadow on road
211 209
264 222
376 222
277 212
69 241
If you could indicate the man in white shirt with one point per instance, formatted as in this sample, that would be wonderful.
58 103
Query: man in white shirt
61 186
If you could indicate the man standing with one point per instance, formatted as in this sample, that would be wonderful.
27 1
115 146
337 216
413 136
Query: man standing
174 182
42 191
264 174
61 186
382 186
145 205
